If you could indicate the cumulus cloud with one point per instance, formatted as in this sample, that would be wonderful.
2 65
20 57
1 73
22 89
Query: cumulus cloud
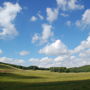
47 32
45 35
35 18
63 57
62 61
85 20
76 57
69 4
60 58
41 62
52 14
85 53
11 60
8 13
86 16
56 48
83 45
24 53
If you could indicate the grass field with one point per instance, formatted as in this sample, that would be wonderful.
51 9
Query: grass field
43 80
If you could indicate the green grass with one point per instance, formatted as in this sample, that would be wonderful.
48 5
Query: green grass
6 67
43 80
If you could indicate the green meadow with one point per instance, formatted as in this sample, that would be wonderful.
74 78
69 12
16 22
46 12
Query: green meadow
16 79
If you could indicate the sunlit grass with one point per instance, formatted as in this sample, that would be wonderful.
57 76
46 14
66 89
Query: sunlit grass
16 79
35 80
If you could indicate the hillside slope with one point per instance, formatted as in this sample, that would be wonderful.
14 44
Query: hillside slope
4 66
85 68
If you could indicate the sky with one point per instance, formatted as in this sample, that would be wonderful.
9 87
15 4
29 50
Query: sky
45 33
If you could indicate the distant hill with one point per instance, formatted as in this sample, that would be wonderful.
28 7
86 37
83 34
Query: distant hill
85 68
4 66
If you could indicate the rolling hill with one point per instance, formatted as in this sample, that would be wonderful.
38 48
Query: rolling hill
85 68
14 78
4 66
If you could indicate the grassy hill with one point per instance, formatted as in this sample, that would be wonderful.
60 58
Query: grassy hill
10 66
3 66
44 80
18 79
7 68
85 68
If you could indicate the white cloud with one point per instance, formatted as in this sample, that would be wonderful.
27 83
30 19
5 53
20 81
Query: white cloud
68 23
64 57
45 35
24 53
85 20
56 48
83 45
85 53
86 16
52 14
35 38
76 57
1 51
8 13
11 60
64 14
69 4
41 62
60 58
62 61
33 19
45 60
33 60
40 16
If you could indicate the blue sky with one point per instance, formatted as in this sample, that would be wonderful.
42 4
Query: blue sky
45 32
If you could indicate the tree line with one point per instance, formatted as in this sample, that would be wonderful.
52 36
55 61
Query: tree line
54 69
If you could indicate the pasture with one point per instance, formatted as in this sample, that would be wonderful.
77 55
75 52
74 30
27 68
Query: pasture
16 79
